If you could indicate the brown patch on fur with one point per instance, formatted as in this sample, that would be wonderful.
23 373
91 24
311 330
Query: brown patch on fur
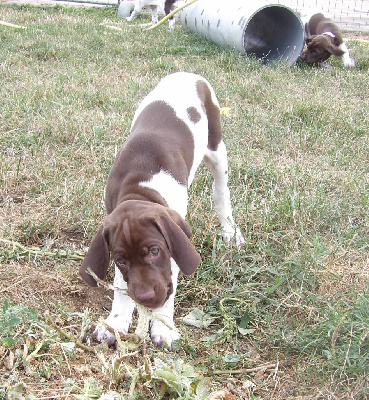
213 113
151 147
318 24
127 232
169 7
193 114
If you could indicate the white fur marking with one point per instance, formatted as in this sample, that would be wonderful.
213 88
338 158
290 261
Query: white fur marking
171 190
348 62
329 34
217 162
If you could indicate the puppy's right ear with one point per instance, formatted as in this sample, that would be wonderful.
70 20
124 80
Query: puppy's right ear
97 258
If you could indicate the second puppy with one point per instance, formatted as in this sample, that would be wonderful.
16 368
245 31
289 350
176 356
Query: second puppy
324 39
167 5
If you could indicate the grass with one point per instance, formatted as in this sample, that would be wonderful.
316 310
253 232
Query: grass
294 298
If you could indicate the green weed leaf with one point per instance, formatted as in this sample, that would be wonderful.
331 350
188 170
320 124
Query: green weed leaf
231 358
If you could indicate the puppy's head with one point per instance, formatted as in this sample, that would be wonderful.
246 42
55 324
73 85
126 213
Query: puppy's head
141 238
319 49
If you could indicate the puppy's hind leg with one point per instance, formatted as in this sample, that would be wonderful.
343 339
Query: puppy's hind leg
134 14
217 162
168 8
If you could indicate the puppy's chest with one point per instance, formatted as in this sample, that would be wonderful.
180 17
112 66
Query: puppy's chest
172 191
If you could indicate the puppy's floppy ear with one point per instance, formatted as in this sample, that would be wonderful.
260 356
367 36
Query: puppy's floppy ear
177 234
335 50
97 257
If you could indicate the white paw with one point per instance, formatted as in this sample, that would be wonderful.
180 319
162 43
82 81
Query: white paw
117 322
349 63
101 334
233 235
129 19
162 336
240 240
171 24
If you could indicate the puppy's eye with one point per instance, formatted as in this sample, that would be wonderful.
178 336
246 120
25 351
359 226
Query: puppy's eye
154 251
121 262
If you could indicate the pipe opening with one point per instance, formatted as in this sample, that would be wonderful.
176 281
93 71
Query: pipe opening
273 34
270 32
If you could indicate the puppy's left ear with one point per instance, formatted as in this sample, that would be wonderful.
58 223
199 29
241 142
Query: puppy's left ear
177 234
335 50
97 258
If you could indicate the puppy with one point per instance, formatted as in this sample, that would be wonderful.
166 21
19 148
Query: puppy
174 128
323 39
167 5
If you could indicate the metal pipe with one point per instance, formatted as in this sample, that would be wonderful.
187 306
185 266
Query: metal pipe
270 32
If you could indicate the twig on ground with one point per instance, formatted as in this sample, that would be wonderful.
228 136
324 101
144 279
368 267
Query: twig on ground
104 284
51 322
242 370
12 25
39 252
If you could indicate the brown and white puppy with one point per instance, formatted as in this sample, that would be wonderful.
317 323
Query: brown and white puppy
174 128
167 5
323 39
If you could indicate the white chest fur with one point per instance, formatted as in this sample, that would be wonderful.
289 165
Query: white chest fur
171 190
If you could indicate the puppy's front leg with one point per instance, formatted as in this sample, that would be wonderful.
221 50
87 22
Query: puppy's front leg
134 14
120 316
347 60
154 14
164 334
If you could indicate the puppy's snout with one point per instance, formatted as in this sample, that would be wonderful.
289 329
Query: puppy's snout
146 297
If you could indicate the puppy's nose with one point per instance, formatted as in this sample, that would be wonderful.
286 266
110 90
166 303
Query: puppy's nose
145 297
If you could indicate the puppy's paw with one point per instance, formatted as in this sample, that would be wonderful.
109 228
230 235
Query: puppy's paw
119 322
349 62
162 336
171 24
116 322
101 334
233 235
239 239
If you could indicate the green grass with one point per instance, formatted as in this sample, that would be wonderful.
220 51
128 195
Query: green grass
295 295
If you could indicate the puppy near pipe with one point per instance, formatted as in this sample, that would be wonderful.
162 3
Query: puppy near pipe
270 32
